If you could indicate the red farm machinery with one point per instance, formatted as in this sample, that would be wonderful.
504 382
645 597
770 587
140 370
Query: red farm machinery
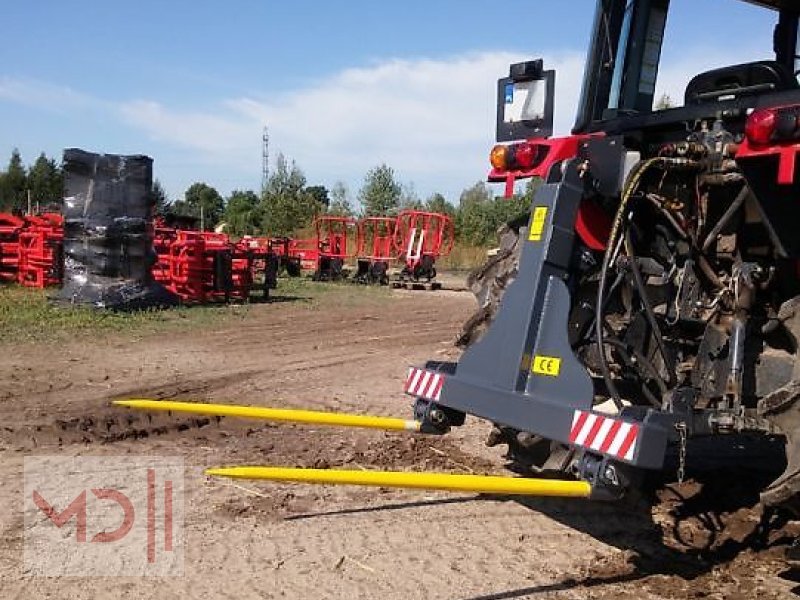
413 238
420 238
375 249
195 266
288 261
202 266
31 249
333 244
10 228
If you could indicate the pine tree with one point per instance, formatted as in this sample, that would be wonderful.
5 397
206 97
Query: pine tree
45 181
13 183
287 205
380 193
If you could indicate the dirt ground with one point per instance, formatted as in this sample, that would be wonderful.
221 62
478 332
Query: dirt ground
263 540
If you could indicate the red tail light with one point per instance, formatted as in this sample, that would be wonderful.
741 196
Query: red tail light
769 125
524 155
760 127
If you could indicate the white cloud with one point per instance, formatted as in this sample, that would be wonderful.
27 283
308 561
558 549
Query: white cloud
209 133
431 120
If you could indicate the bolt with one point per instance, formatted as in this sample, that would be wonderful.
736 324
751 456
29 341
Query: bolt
610 474
436 416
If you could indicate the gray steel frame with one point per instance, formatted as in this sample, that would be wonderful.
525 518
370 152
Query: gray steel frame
494 378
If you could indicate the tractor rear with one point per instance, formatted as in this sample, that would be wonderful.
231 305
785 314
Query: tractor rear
646 316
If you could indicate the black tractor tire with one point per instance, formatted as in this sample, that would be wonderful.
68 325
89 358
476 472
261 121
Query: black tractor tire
489 281
781 407
293 268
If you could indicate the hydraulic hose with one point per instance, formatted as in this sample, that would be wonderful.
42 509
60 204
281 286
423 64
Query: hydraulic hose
632 182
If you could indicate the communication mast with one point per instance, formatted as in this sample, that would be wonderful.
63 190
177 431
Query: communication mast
264 159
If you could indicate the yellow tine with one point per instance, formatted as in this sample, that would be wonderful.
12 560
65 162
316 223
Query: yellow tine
274 414
429 481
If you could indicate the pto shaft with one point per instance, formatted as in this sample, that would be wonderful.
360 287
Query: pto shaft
484 484
275 414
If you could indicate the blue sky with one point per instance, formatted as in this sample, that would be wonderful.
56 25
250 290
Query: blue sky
343 86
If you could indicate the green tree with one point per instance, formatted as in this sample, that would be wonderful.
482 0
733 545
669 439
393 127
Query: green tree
287 205
480 215
340 201
380 193
45 181
439 204
201 195
13 183
476 219
510 209
160 199
243 213
320 194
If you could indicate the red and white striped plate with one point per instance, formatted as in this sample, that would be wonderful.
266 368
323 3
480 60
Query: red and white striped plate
425 384
604 434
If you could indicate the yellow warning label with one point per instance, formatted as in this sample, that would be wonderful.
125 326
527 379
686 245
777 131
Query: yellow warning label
546 365
537 223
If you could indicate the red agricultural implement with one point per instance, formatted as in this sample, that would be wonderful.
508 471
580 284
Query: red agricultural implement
375 249
31 249
40 253
196 266
305 251
334 238
420 238
10 228
202 269
199 266
281 247
163 237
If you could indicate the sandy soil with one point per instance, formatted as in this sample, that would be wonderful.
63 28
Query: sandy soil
258 540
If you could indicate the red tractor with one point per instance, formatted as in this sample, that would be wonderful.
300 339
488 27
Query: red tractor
645 317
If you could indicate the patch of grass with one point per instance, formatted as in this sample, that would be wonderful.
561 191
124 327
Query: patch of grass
463 258
26 315
317 293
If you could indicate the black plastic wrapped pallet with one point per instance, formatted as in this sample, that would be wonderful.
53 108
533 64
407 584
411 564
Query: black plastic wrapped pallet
108 248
